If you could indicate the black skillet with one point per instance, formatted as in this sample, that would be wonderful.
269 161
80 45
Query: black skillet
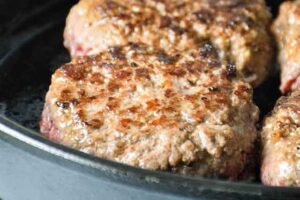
33 168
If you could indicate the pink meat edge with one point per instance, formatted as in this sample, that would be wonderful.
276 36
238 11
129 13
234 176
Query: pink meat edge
290 85
47 126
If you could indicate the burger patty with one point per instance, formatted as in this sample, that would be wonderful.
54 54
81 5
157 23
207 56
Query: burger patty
181 111
286 31
237 28
281 143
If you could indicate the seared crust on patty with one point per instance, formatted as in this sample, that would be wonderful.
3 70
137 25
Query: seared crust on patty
239 29
281 143
181 111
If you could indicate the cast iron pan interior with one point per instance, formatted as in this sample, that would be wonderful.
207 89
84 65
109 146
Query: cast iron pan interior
34 50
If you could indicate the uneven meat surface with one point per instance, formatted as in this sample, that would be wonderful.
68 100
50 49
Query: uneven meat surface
237 28
281 143
180 111
286 31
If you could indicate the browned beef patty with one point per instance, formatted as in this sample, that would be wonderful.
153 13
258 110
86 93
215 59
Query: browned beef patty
181 111
239 29
281 143
286 31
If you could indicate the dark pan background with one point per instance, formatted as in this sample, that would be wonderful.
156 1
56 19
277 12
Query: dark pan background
30 50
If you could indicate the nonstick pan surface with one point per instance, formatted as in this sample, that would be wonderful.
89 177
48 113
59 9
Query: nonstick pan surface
33 167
